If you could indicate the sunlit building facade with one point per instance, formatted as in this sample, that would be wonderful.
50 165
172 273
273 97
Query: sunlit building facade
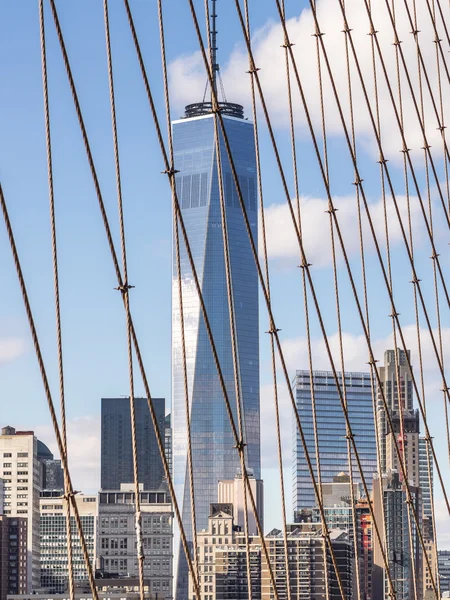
214 455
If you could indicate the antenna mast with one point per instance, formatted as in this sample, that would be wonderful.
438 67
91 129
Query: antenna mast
214 64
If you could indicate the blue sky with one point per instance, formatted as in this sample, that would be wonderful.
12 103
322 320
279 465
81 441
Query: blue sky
93 322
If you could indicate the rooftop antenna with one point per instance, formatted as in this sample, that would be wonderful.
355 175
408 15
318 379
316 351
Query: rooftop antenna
205 108
214 64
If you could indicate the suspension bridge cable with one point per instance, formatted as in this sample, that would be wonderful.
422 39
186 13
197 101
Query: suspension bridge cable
124 290
70 493
48 143
105 220
360 183
180 292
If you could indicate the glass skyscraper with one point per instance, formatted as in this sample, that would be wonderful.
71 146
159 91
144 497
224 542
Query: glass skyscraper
332 431
116 449
214 454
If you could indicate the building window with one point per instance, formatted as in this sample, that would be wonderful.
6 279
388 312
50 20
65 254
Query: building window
7 465
22 455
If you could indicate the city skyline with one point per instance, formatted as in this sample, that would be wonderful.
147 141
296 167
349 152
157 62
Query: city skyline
345 188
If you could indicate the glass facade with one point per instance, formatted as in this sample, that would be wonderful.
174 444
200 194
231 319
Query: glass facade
332 431
214 455
116 449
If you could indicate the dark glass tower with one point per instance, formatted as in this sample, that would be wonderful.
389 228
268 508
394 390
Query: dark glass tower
214 455
331 430
116 449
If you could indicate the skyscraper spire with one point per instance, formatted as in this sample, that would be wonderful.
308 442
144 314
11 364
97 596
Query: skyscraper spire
215 82
213 42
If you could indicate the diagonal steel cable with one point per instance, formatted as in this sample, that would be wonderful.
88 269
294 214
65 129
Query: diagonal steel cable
70 494
48 143
160 441
180 292
124 290
359 182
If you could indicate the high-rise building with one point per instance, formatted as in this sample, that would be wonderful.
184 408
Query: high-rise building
311 574
389 498
331 430
444 569
54 556
117 537
425 475
52 474
168 441
394 359
116 443
234 492
13 556
214 454
222 559
20 470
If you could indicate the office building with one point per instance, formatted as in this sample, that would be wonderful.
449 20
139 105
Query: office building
20 470
425 477
222 559
310 572
116 444
197 182
444 569
390 497
53 555
52 474
13 556
392 391
337 506
331 430
232 492
430 575
117 537
168 441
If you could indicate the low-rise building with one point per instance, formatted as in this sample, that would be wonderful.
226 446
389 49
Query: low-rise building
117 541
53 554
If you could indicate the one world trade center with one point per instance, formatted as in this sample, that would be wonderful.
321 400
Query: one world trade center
214 456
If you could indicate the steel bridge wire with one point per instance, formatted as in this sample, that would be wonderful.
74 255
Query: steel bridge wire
394 331
119 277
337 303
48 144
267 283
360 183
70 493
436 291
124 290
231 310
180 289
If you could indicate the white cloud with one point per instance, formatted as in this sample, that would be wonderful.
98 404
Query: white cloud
282 244
83 438
356 353
187 73
11 348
